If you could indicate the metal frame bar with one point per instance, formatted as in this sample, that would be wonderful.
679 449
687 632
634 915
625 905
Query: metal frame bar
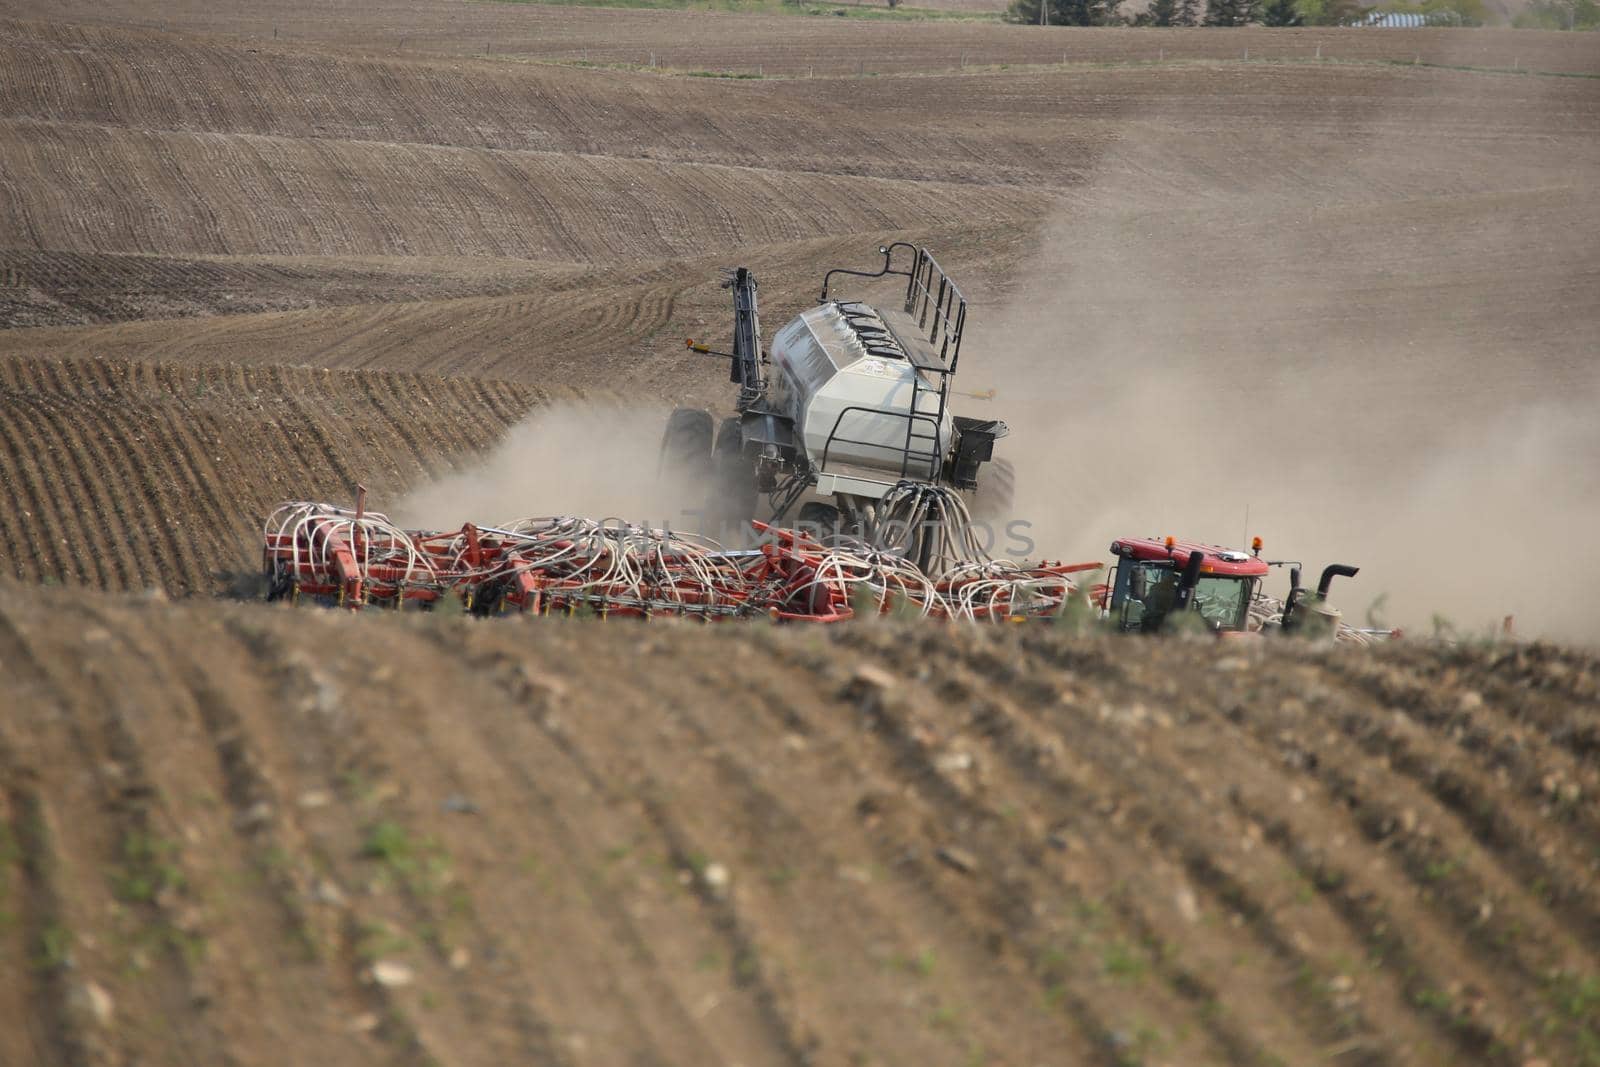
906 453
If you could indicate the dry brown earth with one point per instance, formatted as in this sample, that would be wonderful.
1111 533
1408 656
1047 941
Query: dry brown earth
237 268
865 846
778 44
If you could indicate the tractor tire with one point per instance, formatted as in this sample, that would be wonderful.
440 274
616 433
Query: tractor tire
821 521
995 498
735 473
686 446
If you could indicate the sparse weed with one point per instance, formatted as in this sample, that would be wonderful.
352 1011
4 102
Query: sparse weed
1077 614
1148 1038
922 964
863 602
1435 1000
146 869
375 939
55 947
1123 962
152 937
1375 612
421 865
355 784
1574 1000
1091 913
1305 891
1439 869
10 851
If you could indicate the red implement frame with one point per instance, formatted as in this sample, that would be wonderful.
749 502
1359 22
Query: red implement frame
359 559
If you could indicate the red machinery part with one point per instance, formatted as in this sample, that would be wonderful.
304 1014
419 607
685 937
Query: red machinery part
562 565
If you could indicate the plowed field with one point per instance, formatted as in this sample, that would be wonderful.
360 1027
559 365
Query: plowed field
871 845
251 252
127 475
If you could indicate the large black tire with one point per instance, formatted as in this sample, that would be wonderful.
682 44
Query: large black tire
735 473
686 445
995 498
822 521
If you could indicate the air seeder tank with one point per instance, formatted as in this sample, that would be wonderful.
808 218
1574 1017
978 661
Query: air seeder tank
845 375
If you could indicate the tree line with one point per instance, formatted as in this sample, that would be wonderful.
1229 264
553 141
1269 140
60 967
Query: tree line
1240 12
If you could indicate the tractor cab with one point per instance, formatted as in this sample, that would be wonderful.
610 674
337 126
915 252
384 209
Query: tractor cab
1153 581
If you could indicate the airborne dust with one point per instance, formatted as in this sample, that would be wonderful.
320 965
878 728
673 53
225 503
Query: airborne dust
1360 383
1334 345
594 460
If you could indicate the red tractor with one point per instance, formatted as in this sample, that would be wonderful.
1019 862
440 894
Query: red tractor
1156 582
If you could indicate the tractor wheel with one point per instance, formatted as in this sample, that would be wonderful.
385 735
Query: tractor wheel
736 478
686 445
995 497
821 521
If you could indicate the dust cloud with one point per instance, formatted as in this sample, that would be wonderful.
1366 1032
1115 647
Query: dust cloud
1213 380
1369 343
576 458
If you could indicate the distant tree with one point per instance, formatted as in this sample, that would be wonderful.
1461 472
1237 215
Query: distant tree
1084 12
1282 13
1188 13
1339 13
1162 13
1065 12
1559 15
1232 12
1466 12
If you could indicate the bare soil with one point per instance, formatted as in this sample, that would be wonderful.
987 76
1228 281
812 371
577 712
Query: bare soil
252 252
568 842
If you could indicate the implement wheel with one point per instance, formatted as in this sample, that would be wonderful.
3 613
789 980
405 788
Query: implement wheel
821 521
686 445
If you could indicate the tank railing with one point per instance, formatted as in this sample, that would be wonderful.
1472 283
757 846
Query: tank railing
888 260
907 453
938 307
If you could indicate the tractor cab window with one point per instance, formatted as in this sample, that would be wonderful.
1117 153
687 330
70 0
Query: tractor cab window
1222 602
1148 594
1146 590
